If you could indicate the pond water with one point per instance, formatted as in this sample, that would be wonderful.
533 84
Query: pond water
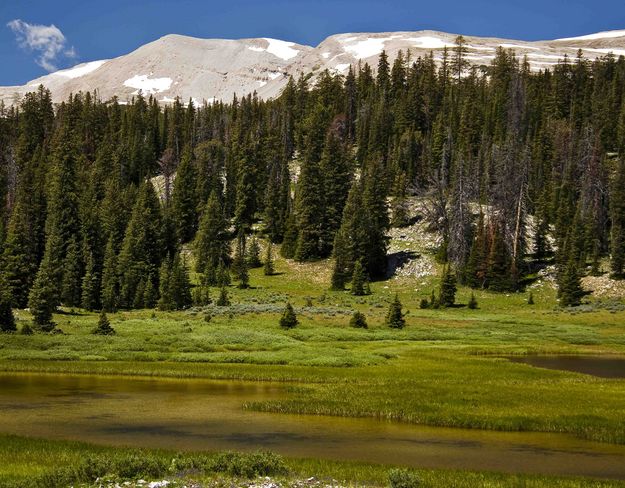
208 415
602 366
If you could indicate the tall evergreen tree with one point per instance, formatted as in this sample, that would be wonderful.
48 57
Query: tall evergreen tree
212 246
184 201
7 319
142 250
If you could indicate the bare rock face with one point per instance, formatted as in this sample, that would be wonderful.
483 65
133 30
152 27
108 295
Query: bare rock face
216 69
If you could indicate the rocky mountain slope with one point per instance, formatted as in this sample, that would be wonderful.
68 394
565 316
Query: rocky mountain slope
215 69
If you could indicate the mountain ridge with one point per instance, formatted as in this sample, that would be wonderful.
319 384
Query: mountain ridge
176 65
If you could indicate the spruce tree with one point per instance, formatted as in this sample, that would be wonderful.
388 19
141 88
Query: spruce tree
142 250
110 279
395 317
289 243
212 247
19 257
90 298
569 285
288 319
150 292
358 321
71 283
104 326
43 297
239 263
447 296
497 274
184 202
472 302
358 280
7 320
180 284
268 267
166 300
617 215
224 299
253 254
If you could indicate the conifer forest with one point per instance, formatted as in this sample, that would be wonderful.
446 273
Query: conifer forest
425 242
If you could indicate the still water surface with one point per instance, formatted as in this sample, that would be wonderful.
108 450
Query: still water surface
602 366
208 415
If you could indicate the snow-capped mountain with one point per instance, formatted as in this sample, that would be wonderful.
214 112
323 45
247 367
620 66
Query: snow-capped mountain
215 69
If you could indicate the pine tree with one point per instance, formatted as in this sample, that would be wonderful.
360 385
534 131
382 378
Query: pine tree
253 254
150 293
358 321
104 326
395 317
223 300
617 214
166 300
358 280
212 247
351 241
19 258
289 243
277 200
43 297
447 296
288 319
90 298
497 274
569 287
72 276
377 220
7 320
239 263
180 284
142 250
336 170
110 279
268 267
184 202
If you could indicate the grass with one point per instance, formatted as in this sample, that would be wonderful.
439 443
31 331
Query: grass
35 463
443 369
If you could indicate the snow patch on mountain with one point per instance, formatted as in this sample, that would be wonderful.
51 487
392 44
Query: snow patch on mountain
281 49
148 86
518 46
429 42
80 70
598 35
365 48
616 52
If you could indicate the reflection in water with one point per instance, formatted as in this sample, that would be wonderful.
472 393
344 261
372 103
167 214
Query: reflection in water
208 415
604 367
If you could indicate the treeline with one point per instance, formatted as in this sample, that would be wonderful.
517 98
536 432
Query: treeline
510 161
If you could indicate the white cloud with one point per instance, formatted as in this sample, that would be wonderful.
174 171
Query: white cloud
46 40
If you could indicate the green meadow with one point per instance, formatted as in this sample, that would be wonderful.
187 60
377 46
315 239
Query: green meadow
445 368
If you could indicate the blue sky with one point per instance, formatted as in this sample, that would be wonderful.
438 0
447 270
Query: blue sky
88 30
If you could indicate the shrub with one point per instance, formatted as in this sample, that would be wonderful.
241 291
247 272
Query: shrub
395 317
288 319
27 329
358 320
403 478
248 465
223 300
424 304
104 326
